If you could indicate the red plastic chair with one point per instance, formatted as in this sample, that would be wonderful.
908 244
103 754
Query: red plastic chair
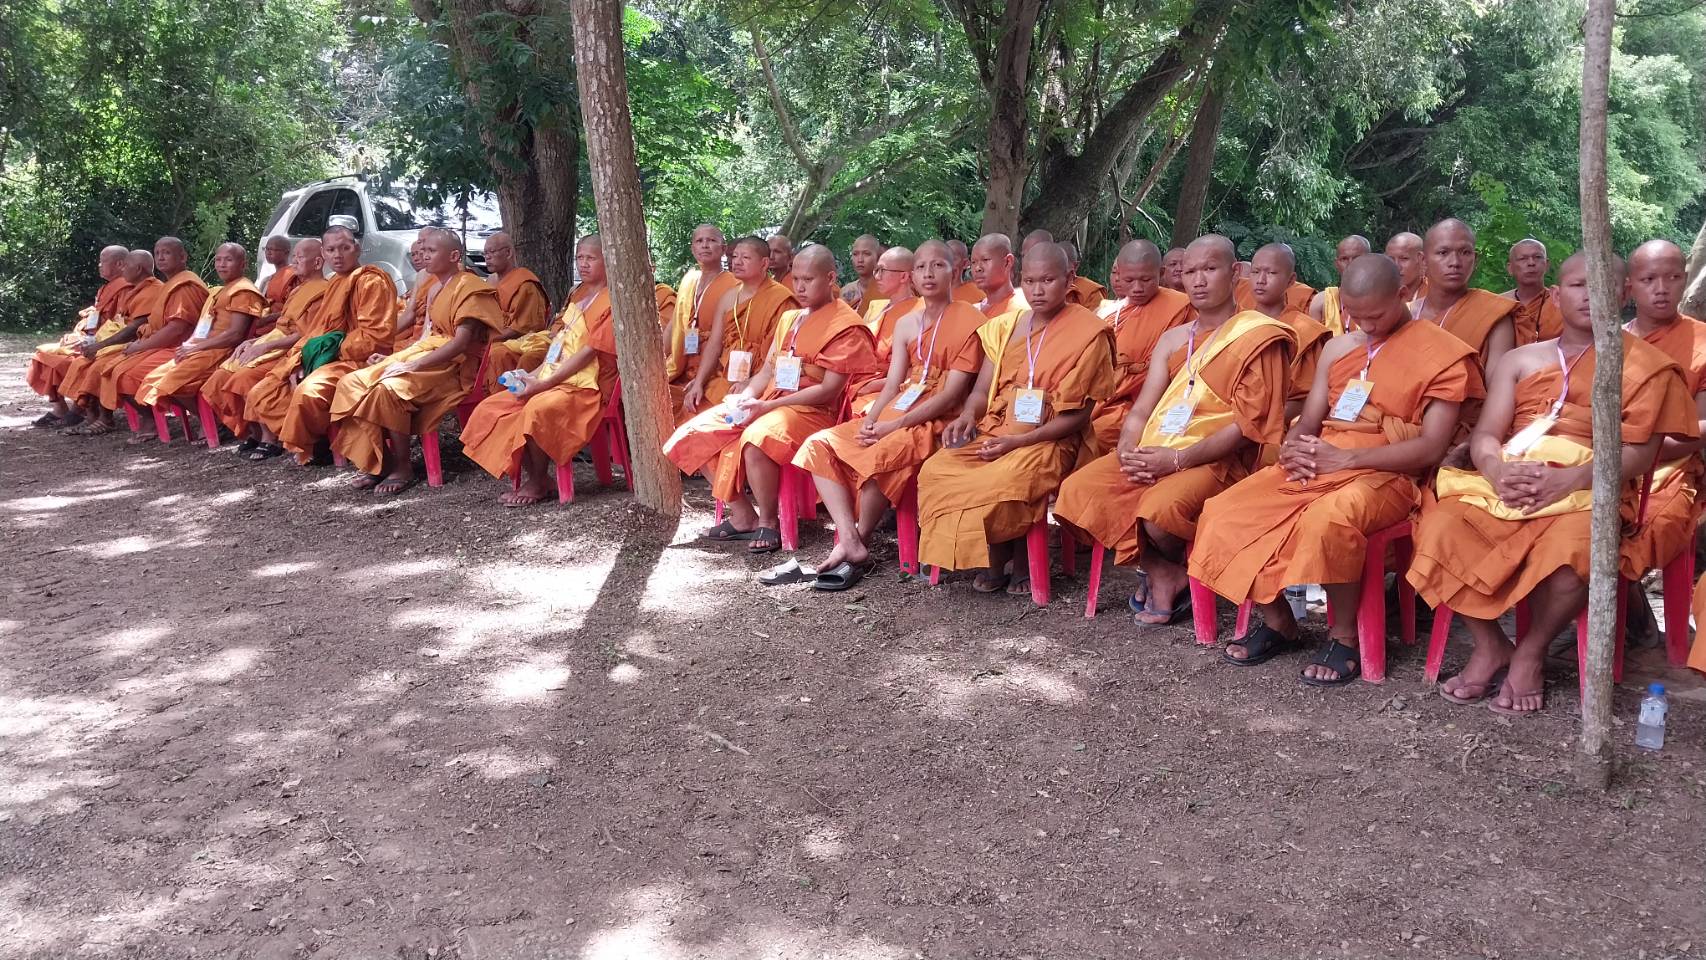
434 462
1442 629
465 409
906 528
209 422
1678 601
1203 600
609 446
1036 554
162 429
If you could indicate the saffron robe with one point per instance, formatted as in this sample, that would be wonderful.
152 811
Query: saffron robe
1332 316
1012 302
1243 377
227 388
966 504
524 352
1297 296
881 316
1537 319
747 325
1471 318
364 406
832 338
1267 532
968 292
665 296
1672 513
51 360
562 420
137 300
279 285
181 300
1136 329
1480 557
892 462
176 377
695 298
521 297
1311 339
1086 292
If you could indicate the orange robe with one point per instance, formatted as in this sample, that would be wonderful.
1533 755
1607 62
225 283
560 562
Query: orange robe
521 353
881 316
832 338
1471 318
521 297
82 376
1086 292
1538 319
964 503
1311 338
893 461
665 295
1243 377
181 300
365 403
51 360
277 293
695 299
227 388
1297 296
1266 532
1479 557
1136 328
561 420
1014 301
183 377
747 325
1672 514
363 304
968 292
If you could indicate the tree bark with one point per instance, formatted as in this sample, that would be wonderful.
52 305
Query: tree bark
1009 117
1595 767
600 65
1199 166
1694 300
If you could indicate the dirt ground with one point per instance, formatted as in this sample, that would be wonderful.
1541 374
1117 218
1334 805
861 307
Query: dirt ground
247 712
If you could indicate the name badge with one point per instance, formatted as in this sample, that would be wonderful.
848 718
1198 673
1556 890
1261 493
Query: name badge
740 365
1028 406
556 352
1528 436
426 328
92 322
788 372
908 397
203 328
690 344
1352 400
1176 418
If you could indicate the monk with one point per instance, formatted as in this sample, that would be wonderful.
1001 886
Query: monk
1273 270
378 408
521 294
964 289
226 319
894 298
741 331
82 376
742 442
1297 295
1084 291
293 402
1380 414
1479 318
276 252
865 465
1657 274
701 289
1045 368
1214 393
1536 316
227 389
782 260
1034 238
664 295
992 271
560 401
1324 306
1409 252
864 255
1516 526
180 303
1173 269
1138 320
50 361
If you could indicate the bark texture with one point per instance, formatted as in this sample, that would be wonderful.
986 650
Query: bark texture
1199 167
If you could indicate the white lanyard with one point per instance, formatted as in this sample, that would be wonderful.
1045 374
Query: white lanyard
1119 316
794 332
1566 367
935 331
1373 352
1031 358
700 287
1190 349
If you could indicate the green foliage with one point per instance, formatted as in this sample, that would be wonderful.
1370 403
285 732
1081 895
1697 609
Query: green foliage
1314 255
1504 223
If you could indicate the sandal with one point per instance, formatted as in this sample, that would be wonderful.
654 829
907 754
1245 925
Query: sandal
725 532
1338 658
765 540
247 447
842 576
392 486
1261 646
786 572
265 451
1170 617
49 420
365 481
984 583
1140 596
1488 688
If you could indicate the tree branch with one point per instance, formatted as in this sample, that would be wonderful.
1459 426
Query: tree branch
790 131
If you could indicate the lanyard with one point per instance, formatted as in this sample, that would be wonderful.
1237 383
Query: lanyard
1373 351
1119 315
1031 358
935 331
740 327
1564 389
700 287
1190 349
794 331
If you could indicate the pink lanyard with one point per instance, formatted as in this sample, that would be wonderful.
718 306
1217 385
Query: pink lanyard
1031 358
935 331
1567 367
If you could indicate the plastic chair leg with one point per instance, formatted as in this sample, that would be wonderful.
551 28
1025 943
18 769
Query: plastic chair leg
209 422
1679 597
131 417
162 429
1243 626
1036 548
906 529
1371 615
600 450
565 482
788 512
1068 553
1203 613
1436 644
1098 556
430 453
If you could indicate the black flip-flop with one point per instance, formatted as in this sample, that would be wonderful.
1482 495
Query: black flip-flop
1181 609
765 535
786 572
265 451
995 584
1336 657
725 532
1491 687
49 420
842 576
247 447
1135 602
1260 646
401 485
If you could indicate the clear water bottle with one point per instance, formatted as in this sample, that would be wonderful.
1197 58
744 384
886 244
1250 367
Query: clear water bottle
1298 599
511 381
1650 726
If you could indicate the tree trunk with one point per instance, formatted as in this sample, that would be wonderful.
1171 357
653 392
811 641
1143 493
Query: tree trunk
1595 768
1009 118
600 64
1694 300
539 204
1199 166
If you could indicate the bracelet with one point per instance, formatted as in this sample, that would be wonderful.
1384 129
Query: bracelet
1176 455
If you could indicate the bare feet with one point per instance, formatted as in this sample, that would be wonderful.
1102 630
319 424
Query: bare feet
396 482
1524 689
529 493
1472 682
1166 587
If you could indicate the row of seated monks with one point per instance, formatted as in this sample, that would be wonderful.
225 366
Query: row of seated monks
1201 417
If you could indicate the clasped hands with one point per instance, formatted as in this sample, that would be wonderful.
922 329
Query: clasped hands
1146 465
1303 458
1528 485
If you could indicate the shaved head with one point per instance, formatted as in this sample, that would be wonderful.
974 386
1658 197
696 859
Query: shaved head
1577 263
1408 252
443 236
110 264
1213 245
1139 253
500 253
173 244
591 241
939 247
1657 281
894 271
1035 237
138 265
958 251
234 249
171 256
1281 250
1528 243
1403 241
1071 252
1450 226
996 243
756 246
1048 253
1450 255
1370 275
816 256
1349 249
230 262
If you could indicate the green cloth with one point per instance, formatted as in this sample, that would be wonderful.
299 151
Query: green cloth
321 350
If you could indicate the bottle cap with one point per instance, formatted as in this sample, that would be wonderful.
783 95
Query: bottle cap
1656 689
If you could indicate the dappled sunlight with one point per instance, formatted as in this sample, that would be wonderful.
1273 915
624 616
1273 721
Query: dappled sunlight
644 643
824 844
667 921
118 547
532 681
510 603
285 569
219 667
10 626
169 500
51 502
401 570
146 464
701 570
44 738
959 686
501 764
230 497
128 640
625 673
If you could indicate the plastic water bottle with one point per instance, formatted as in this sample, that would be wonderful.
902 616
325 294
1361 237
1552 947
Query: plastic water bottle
1650 726
1298 599
511 381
